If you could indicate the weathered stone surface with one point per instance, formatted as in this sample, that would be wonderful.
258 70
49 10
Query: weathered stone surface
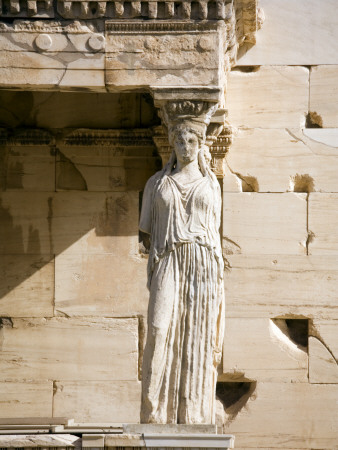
25 223
66 61
256 349
28 40
26 286
72 109
302 415
31 168
169 428
256 223
323 215
92 222
291 33
40 440
270 160
127 439
52 78
95 401
28 399
324 94
282 286
100 285
68 349
121 79
105 168
274 96
326 136
323 352
175 55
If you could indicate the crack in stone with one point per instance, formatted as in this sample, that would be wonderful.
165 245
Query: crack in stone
316 335
247 183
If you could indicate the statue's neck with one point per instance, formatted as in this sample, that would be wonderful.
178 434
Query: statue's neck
188 171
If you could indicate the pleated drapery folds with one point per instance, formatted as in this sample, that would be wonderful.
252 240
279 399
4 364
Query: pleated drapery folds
186 305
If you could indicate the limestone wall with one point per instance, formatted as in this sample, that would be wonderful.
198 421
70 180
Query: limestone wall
280 233
73 281
73 297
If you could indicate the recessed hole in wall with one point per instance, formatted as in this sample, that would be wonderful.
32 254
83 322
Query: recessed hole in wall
195 10
93 7
296 330
302 183
234 396
6 322
246 69
212 10
249 183
313 120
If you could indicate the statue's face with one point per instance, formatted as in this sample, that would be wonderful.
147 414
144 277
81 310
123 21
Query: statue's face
186 145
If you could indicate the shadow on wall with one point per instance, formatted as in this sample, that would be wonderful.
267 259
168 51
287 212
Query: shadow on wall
48 203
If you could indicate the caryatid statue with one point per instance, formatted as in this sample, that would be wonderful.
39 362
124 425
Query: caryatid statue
181 212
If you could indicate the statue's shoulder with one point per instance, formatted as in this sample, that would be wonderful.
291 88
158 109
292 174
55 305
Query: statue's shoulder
154 179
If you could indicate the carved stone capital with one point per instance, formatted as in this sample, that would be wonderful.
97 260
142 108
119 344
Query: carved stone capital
204 114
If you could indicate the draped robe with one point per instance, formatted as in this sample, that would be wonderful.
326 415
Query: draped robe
186 305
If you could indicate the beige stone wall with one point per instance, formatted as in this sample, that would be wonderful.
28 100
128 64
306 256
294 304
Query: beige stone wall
280 232
73 281
72 278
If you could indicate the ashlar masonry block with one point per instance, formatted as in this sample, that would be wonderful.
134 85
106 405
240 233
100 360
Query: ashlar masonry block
29 168
323 352
271 160
268 96
282 286
324 94
256 349
98 401
291 34
255 223
25 223
26 399
323 216
300 414
95 222
100 285
70 349
26 286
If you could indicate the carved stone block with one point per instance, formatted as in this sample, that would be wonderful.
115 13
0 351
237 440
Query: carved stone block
64 349
282 286
29 168
101 285
26 399
94 222
275 96
25 221
291 32
275 160
257 349
164 54
307 414
98 401
322 224
324 95
323 352
26 286
256 223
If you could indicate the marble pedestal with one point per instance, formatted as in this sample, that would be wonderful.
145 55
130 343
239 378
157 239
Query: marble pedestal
126 437
155 436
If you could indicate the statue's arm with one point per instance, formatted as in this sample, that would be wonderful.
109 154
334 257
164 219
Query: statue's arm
146 211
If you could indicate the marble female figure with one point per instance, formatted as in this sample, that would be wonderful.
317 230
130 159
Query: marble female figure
181 213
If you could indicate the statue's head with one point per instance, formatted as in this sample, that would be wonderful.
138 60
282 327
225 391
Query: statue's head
187 139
